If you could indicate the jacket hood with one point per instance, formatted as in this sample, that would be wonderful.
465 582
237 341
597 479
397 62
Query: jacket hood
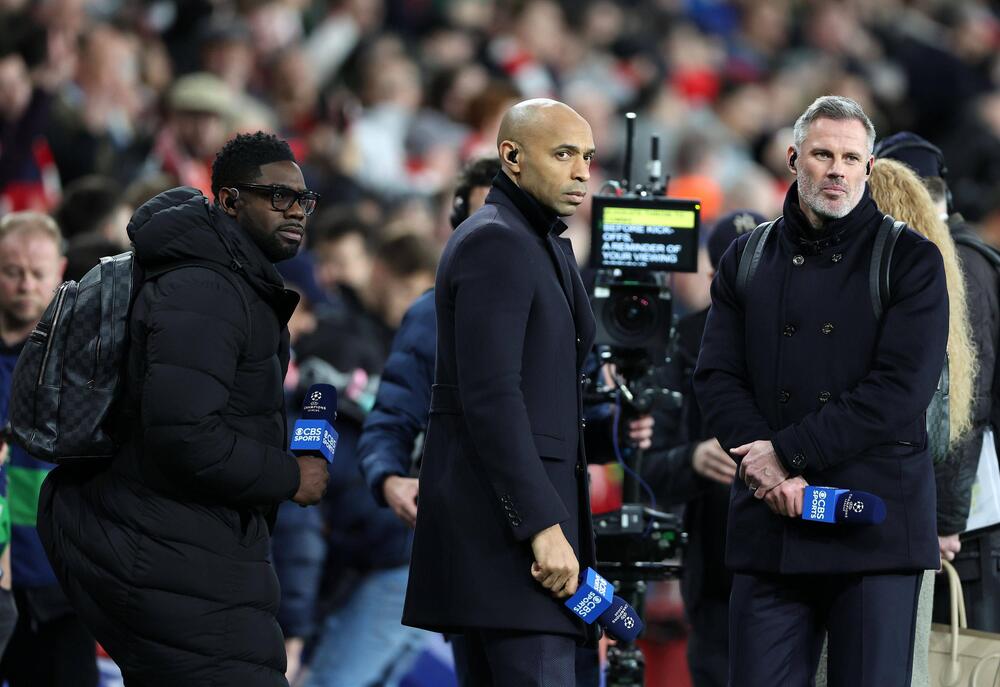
182 224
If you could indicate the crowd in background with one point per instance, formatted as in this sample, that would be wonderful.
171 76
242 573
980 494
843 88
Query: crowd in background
104 103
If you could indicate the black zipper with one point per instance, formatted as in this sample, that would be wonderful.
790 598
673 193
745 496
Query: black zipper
51 335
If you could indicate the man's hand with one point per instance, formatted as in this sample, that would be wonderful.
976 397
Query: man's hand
640 431
293 657
555 566
949 545
710 460
312 480
786 498
760 468
401 495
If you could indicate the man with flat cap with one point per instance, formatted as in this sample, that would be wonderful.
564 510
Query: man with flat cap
504 527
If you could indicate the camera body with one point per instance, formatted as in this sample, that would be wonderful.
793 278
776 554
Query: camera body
635 242
633 313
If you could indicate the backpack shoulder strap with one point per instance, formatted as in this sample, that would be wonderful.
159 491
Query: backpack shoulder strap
977 244
229 275
750 257
881 260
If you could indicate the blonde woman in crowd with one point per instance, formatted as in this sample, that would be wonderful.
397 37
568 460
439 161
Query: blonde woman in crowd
899 192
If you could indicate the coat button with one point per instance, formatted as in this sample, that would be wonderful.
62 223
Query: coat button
837 257
583 424
579 341
798 260
827 328
824 396
783 396
798 461
579 469
789 330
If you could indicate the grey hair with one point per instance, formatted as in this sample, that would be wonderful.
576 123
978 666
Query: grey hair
832 107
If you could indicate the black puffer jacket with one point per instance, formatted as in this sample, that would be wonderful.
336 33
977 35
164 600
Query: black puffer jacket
164 552
955 477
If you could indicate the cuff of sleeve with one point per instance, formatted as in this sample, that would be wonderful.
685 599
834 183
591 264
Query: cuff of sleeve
292 475
527 526
378 485
790 451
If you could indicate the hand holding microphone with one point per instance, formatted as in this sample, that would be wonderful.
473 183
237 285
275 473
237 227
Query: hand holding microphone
595 600
760 468
314 442
556 567
842 506
795 498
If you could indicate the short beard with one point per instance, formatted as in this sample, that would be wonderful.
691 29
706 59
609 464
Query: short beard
827 210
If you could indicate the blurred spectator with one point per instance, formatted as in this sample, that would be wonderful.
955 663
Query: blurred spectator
85 251
28 175
404 268
196 127
94 127
367 547
50 646
94 205
340 241
227 52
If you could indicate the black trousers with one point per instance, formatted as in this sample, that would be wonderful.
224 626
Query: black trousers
506 658
708 643
776 626
55 652
588 668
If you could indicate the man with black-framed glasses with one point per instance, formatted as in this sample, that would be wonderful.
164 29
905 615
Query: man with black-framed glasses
164 551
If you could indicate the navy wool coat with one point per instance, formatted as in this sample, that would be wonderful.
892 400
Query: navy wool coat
804 363
503 457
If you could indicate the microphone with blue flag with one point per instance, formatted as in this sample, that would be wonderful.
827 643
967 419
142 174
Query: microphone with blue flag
313 434
595 600
842 506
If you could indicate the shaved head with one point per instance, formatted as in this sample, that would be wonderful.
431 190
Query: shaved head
527 115
546 147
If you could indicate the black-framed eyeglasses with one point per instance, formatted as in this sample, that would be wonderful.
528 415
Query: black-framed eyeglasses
282 197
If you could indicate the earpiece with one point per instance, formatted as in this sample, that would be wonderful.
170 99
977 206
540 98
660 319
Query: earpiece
791 160
512 155
458 211
231 200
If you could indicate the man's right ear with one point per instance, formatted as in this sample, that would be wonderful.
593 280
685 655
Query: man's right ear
509 153
227 199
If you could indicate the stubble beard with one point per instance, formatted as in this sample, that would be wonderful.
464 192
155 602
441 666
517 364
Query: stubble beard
828 209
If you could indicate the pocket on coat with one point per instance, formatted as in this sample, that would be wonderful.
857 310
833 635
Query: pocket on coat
550 447
895 449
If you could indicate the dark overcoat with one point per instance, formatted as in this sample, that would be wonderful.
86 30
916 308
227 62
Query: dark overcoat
504 456
165 551
803 361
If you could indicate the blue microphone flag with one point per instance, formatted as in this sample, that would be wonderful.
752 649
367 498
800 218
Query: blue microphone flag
844 506
621 621
592 597
314 434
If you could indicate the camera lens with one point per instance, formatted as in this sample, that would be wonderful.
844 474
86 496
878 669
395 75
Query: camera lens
633 316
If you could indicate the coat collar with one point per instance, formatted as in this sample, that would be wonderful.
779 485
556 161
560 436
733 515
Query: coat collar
798 230
541 219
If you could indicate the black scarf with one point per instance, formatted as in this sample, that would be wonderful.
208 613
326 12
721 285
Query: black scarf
811 241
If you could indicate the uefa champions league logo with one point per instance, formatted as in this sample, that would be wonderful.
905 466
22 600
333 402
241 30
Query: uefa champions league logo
315 396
